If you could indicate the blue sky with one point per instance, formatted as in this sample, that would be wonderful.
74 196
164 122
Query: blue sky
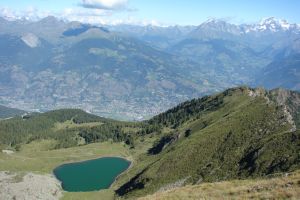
168 12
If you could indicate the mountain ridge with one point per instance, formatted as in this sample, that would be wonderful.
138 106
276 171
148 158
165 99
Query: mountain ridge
133 72
240 133
200 151
6 112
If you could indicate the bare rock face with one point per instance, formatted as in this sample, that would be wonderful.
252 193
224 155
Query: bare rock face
290 102
31 40
29 187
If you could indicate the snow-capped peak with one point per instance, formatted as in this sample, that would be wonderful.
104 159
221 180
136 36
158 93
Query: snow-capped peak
269 20
284 24
272 24
211 20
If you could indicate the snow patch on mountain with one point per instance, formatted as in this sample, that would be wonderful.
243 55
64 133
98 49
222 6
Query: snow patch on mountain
272 24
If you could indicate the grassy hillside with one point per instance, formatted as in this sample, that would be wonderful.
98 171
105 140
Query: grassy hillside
6 112
241 133
282 187
39 157
238 134
69 127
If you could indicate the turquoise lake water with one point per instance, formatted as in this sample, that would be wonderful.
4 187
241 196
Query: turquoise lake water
90 175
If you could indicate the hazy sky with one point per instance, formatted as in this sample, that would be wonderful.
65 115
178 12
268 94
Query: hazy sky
168 12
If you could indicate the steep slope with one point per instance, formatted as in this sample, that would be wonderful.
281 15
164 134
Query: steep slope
91 68
135 72
280 187
217 29
237 53
282 73
156 36
6 112
239 133
27 51
231 61
257 36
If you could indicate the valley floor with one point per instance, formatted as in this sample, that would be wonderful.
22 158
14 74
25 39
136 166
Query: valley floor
35 162
284 186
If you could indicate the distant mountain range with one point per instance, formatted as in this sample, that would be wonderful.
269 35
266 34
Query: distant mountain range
6 112
134 72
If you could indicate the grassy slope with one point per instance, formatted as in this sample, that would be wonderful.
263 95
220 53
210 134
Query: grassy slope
70 124
232 136
242 137
282 187
69 127
41 156
35 154
36 157
19 130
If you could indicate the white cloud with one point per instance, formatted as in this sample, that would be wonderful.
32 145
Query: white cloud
85 16
132 21
29 13
91 16
7 13
97 17
104 4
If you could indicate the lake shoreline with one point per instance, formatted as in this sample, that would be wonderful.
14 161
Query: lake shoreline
131 163
91 160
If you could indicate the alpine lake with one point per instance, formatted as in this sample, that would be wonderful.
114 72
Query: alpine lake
90 175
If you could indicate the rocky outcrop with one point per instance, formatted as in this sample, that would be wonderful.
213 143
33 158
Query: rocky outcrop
29 187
